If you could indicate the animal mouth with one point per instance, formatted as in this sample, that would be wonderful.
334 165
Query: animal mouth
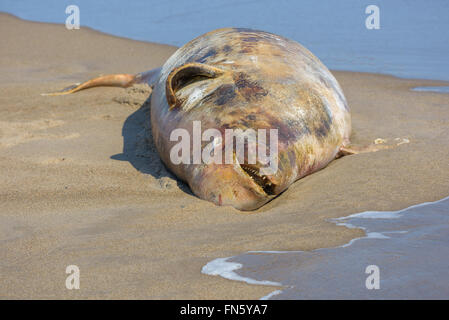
262 180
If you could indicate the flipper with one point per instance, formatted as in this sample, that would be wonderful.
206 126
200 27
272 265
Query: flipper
374 147
122 80
149 77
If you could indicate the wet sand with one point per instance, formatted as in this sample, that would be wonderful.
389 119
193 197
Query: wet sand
82 183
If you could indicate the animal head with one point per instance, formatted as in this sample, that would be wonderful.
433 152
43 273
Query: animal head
221 116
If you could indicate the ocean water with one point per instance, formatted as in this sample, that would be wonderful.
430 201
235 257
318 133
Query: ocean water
440 89
410 248
412 41
407 250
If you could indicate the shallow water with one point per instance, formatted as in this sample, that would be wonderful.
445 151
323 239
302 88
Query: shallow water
412 41
441 89
410 248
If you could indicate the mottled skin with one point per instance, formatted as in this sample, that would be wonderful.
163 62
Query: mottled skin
245 79
240 78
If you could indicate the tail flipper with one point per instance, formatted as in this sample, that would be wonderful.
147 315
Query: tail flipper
122 80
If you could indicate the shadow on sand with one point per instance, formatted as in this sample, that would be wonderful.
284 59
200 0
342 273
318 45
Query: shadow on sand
139 148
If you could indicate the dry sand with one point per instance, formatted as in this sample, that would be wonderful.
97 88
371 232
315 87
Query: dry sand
82 184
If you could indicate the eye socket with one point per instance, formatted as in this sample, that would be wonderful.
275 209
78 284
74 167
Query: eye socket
185 75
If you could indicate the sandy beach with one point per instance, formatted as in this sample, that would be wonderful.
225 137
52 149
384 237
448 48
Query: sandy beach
82 184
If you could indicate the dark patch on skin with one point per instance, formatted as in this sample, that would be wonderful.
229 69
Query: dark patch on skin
249 43
251 39
241 121
227 48
210 53
297 123
194 55
224 94
247 47
325 121
286 134
298 126
246 50
249 89
323 129
245 123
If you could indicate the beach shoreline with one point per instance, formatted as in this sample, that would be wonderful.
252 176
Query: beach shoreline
83 184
